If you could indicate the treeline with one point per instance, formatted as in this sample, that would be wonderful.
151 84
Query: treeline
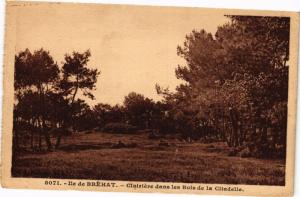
236 84
48 107
235 90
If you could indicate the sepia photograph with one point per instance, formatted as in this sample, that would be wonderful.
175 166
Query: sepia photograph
147 94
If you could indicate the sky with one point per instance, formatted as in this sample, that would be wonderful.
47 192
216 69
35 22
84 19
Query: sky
134 47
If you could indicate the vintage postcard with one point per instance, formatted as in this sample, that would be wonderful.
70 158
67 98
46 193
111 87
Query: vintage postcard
149 99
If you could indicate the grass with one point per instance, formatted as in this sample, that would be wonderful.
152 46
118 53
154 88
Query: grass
96 156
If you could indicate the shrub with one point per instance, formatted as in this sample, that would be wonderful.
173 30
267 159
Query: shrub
233 152
117 127
245 153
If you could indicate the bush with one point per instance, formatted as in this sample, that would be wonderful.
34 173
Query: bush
117 127
245 153
233 152
120 144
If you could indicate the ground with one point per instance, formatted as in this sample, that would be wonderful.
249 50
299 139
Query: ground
135 157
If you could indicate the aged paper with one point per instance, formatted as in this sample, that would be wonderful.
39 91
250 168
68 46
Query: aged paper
149 99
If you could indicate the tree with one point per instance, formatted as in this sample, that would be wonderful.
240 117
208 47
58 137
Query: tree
36 72
76 75
26 117
235 80
139 109
260 48
45 95
105 113
101 112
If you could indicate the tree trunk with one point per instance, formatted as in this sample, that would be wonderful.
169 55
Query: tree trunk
16 134
40 135
234 121
59 136
274 137
58 140
16 140
76 89
48 141
242 133
31 140
47 137
264 135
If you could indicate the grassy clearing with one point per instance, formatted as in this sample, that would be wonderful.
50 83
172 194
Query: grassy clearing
95 156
